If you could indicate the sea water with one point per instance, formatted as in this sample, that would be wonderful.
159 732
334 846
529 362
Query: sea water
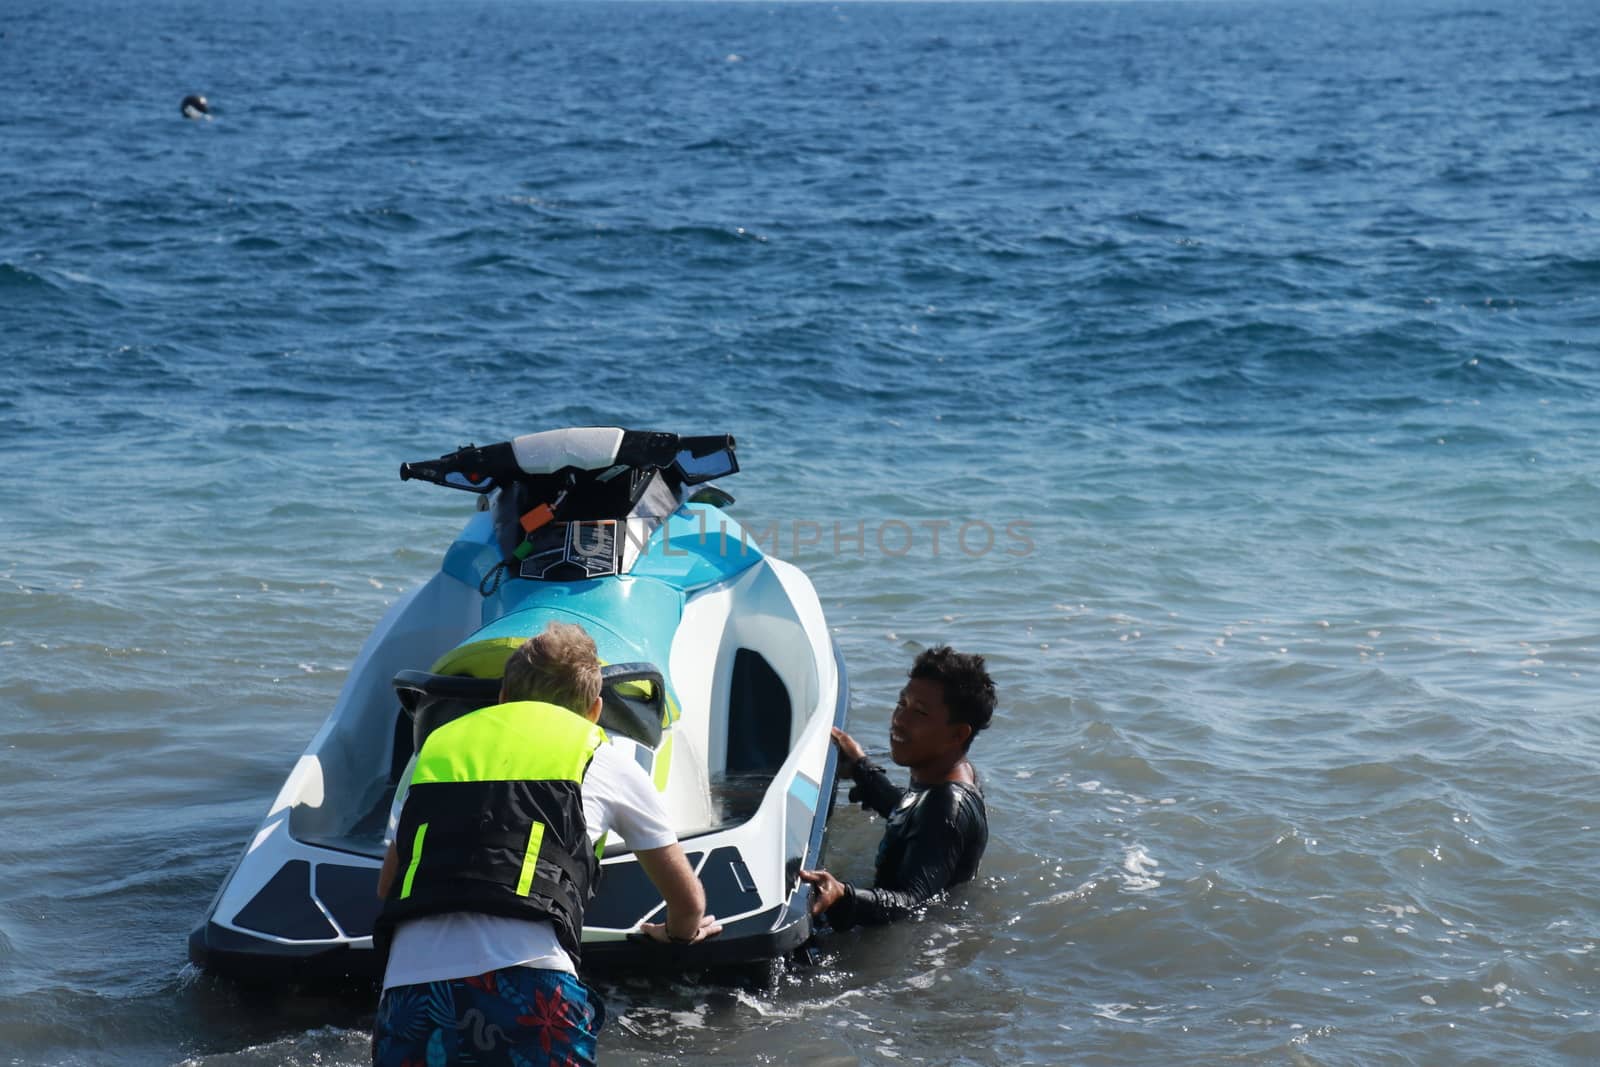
1226 373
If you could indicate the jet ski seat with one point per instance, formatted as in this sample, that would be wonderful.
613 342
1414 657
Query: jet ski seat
431 700
632 700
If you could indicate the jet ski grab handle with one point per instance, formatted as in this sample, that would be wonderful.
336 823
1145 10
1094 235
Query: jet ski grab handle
637 712
482 470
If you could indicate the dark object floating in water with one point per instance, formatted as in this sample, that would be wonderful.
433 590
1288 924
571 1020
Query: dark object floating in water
194 107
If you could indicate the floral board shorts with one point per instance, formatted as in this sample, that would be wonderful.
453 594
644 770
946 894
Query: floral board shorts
515 1017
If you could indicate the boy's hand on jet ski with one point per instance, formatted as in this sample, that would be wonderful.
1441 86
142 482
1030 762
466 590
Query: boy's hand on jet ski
850 750
709 927
826 890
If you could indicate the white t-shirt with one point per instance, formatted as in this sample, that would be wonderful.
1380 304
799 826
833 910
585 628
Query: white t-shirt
617 797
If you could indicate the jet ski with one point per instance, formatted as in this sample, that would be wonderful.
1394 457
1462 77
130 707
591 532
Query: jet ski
719 676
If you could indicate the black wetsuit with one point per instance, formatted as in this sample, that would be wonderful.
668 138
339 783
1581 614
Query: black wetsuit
935 838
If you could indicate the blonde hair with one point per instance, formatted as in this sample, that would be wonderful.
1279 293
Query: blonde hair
559 666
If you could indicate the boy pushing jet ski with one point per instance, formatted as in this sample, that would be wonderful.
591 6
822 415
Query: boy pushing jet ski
494 859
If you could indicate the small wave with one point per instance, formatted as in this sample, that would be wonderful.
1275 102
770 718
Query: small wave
893 223
1499 373
504 262
599 145
1225 156
1468 15
715 144
257 243
1334 161
615 293
274 393
327 1044
17 278
1583 1046
1114 1011
1081 892
1141 872
1372 776
469 236
391 219
1149 221
1586 111
714 234
1559 269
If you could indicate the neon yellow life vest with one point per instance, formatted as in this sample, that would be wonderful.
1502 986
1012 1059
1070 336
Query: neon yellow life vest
493 822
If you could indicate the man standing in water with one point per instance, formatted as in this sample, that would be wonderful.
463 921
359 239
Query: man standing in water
486 880
938 828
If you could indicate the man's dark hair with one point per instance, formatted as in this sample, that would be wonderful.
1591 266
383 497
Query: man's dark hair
968 689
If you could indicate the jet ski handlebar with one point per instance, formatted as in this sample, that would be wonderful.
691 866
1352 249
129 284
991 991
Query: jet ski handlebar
478 470
694 459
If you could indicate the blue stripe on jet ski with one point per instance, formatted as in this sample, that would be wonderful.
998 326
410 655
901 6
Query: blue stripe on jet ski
805 791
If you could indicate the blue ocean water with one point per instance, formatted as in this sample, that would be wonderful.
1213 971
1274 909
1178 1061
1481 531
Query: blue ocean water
1225 372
